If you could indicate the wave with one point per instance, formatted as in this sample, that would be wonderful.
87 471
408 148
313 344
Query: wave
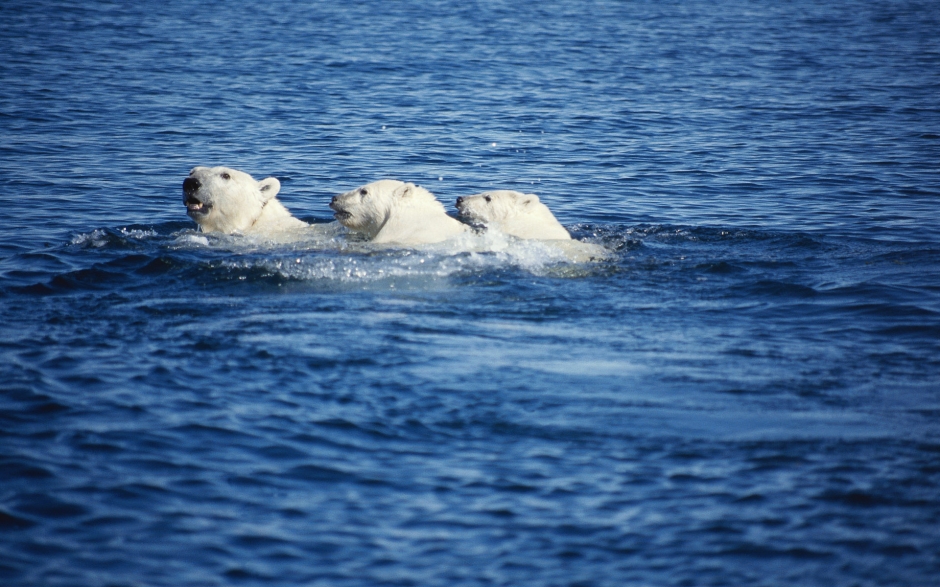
766 264
321 254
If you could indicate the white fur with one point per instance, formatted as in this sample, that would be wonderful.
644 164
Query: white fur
231 201
515 213
391 211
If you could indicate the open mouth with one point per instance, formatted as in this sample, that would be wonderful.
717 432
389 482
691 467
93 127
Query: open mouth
195 207
339 213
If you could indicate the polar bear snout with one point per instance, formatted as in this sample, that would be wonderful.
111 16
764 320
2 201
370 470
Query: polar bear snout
337 206
468 206
194 206
464 205
191 185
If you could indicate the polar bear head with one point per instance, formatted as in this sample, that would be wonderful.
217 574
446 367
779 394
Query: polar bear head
515 213
226 200
367 208
394 211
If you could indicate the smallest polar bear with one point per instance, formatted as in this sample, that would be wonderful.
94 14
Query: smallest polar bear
391 211
520 215
226 200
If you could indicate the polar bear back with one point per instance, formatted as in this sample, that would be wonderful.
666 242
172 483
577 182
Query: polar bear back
515 213
391 211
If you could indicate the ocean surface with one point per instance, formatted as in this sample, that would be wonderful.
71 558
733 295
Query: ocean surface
745 393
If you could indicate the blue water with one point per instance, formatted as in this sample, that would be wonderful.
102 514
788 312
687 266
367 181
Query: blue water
746 392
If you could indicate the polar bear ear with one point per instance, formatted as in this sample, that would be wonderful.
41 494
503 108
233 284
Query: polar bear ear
406 191
529 199
269 187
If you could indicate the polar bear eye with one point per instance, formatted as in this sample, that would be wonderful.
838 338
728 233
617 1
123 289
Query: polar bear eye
363 192
226 176
488 198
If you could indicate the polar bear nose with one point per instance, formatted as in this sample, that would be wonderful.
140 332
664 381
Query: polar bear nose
460 200
191 185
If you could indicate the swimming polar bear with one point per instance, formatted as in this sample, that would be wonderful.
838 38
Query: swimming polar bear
226 200
520 215
392 211
524 216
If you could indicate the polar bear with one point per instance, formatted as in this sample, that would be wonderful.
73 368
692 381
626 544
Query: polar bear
520 215
226 200
392 211
525 217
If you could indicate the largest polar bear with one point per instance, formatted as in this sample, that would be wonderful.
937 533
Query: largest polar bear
392 211
226 200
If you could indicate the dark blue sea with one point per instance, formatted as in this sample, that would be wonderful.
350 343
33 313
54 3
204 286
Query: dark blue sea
745 393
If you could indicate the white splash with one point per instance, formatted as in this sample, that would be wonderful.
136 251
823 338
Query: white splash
350 261
96 238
